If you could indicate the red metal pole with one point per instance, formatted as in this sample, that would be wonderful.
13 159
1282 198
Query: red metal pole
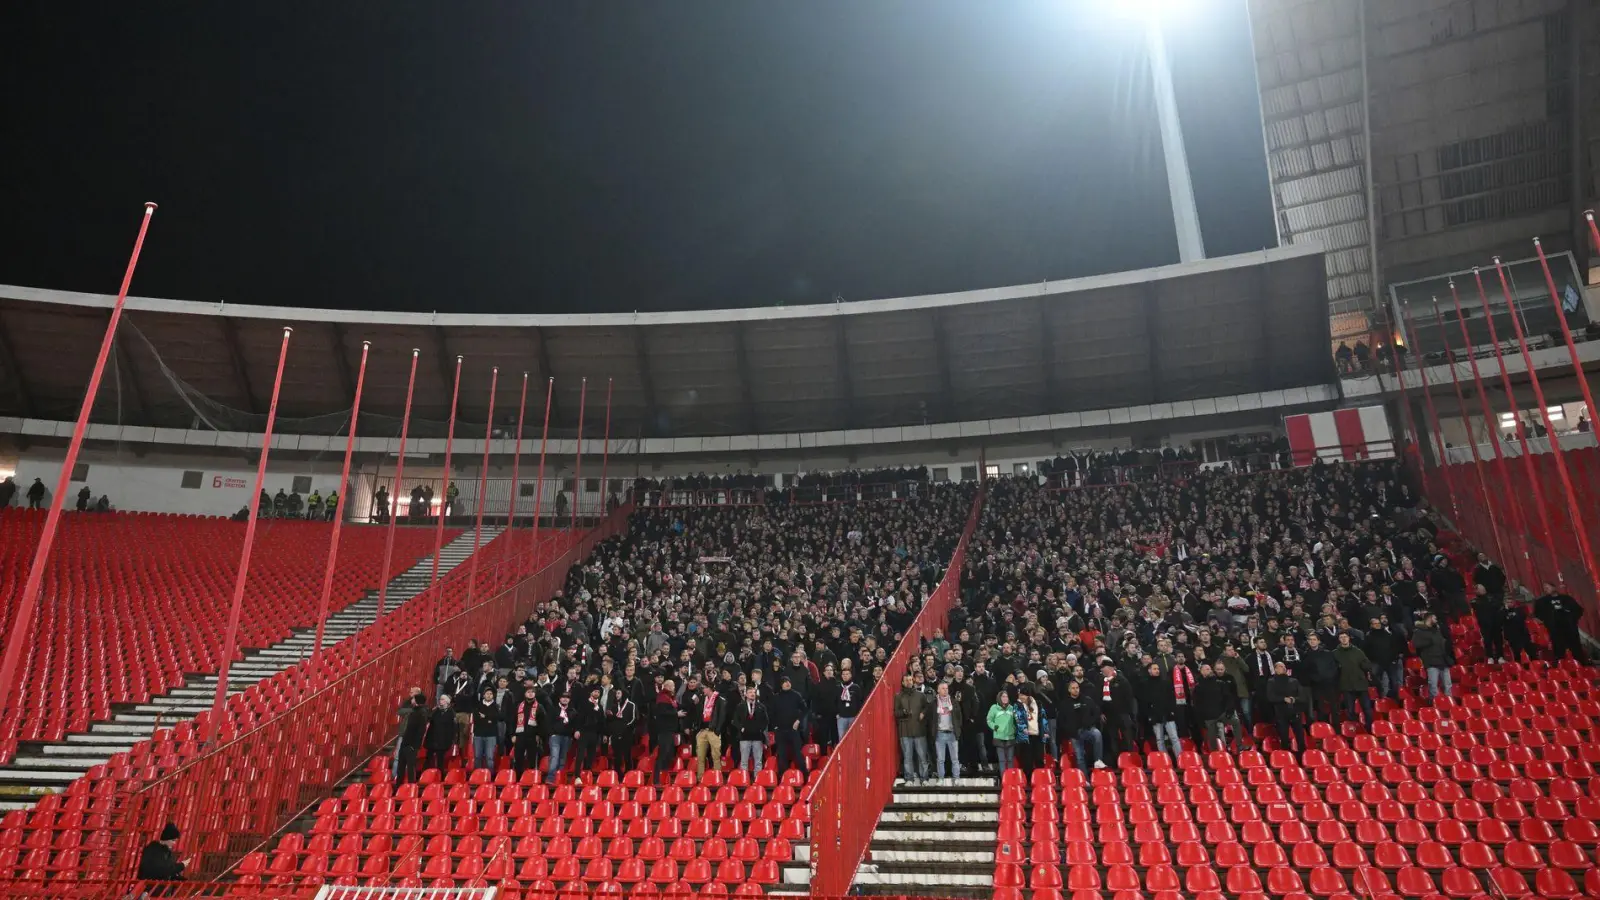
21 630
444 499
516 458
1405 396
577 475
1574 511
399 485
605 456
544 441
1566 333
230 637
344 484
1436 436
1519 520
1472 442
483 485
1516 419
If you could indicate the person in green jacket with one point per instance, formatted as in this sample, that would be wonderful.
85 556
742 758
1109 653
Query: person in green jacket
1003 727
1355 676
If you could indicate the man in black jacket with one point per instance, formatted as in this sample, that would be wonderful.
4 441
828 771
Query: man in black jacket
1387 652
159 861
1216 703
1078 719
751 723
413 726
621 729
524 727
1319 673
1489 576
1491 622
787 715
665 724
1561 614
441 733
1121 709
1283 693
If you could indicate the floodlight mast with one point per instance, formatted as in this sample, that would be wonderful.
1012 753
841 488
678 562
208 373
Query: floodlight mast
1185 215
1180 186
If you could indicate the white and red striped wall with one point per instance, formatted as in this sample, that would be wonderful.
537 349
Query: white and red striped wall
1343 434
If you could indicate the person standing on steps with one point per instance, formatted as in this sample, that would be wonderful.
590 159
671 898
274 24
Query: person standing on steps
1002 722
911 726
441 733
947 732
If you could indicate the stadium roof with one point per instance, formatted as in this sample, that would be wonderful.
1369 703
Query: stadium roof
1218 327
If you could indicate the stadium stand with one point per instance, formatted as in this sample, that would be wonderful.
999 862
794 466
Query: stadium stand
136 603
723 594
1485 792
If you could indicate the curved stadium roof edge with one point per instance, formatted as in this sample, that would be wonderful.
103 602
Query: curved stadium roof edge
690 317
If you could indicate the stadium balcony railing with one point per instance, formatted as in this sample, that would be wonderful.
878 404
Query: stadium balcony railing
857 780
668 496
235 796
1111 476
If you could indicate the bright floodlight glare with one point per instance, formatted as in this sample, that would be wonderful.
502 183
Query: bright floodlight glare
1147 9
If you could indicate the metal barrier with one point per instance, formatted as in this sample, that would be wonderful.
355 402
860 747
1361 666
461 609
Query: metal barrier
857 781
184 890
236 795
1111 476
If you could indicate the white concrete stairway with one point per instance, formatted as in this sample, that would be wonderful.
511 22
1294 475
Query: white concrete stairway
934 839
50 767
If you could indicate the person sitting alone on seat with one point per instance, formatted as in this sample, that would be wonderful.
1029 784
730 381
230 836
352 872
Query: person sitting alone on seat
159 860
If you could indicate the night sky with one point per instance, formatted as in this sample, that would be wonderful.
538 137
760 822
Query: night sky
567 157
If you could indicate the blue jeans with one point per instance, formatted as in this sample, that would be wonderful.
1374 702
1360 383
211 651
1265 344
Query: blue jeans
1438 682
1166 733
483 751
947 746
914 747
1087 747
559 745
844 723
1048 732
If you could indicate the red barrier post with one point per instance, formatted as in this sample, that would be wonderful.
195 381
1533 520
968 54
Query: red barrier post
483 485
230 637
399 485
1574 511
444 490
1516 421
577 475
544 442
1519 524
344 489
22 624
516 457
1566 332
1436 436
1522 433
1472 442
605 454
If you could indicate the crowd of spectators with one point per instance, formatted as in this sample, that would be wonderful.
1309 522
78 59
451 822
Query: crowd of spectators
749 487
1102 467
1138 616
715 629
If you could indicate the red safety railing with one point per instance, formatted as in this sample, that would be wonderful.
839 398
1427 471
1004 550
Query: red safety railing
236 795
1533 558
857 781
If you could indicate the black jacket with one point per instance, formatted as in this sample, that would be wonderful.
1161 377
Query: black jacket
1074 714
1214 697
851 697
416 725
752 724
1156 698
1383 647
664 717
441 734
787 708
157 862
486 720
1280 688
1317 667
